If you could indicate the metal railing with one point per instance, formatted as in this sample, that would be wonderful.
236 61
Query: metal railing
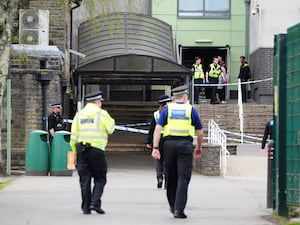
216 136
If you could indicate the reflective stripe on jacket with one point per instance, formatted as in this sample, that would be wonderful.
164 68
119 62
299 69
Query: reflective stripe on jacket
92 125
214 72
198 71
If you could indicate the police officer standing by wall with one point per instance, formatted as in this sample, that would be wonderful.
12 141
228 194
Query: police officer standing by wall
213 73
244 75
162 101
55 121
179 121
198 79
89 135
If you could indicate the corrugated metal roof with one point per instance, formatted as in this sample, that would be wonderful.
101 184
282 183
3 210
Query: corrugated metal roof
125 34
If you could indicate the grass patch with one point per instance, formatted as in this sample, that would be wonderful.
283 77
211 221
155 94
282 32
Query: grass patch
6 183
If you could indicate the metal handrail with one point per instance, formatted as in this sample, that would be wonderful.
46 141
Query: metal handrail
218 137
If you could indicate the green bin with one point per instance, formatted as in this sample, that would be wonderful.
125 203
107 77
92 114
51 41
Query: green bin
59 154
37 154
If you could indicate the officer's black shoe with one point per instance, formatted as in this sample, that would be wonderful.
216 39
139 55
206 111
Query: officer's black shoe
180 215
97 209
172 210
159 183
86 212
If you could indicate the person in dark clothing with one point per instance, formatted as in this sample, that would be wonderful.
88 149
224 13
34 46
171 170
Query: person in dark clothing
267 133
163 100
244 76
180 122
55 121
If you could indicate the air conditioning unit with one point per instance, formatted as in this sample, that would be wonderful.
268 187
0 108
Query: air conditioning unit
34 27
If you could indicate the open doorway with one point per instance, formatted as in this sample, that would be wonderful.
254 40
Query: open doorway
188 55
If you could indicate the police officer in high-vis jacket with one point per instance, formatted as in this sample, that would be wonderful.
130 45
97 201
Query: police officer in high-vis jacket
180 122
162 101
213 73
198 78
89 135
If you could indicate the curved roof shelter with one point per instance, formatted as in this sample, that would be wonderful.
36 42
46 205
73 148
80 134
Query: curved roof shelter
127 48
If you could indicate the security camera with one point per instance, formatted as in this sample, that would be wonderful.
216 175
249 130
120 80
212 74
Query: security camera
255 9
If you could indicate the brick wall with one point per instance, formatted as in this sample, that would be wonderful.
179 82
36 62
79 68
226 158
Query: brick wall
262 68
57 27
27 101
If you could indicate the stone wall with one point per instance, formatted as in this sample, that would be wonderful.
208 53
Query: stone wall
57 24
27 98
209 163
262 68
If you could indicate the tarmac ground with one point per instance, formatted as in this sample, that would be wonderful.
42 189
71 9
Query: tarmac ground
131 198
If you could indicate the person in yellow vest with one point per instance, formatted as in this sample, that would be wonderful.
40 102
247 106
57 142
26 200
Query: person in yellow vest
162 101
213 73
180 122
89 135
198 79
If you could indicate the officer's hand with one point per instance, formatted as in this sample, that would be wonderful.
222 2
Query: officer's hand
197 152
149 146
155 154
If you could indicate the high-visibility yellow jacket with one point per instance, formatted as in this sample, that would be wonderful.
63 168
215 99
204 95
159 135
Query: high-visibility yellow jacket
179 122
156 115
198 71
92 125
214 72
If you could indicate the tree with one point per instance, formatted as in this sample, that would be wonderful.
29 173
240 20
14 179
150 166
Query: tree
7 11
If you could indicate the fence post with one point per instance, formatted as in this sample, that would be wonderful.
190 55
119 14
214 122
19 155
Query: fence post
241 113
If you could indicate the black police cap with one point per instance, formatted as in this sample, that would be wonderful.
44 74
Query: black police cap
164 98
56 105
94 96
180 90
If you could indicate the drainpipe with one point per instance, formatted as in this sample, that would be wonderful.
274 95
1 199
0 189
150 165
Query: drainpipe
45 80
78 3
247 27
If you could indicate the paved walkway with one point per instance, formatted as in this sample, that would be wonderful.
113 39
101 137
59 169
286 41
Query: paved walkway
130 198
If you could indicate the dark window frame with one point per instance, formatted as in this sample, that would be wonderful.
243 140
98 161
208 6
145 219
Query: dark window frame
205 12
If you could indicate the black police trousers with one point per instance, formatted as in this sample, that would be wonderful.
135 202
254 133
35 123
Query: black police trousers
213 80
91 165
178 171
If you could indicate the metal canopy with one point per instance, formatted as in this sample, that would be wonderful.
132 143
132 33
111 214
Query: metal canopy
133 69
123 48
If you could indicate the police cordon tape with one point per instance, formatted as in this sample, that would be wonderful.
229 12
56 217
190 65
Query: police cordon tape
136 124
129 129
141 131
229 84
122 128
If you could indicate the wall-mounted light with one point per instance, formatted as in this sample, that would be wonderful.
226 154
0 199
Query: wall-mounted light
203 41
255 9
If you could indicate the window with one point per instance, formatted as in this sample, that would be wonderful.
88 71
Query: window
204 8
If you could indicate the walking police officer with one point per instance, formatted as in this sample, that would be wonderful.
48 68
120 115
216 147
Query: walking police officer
55 121
180 121
89 135
162 101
